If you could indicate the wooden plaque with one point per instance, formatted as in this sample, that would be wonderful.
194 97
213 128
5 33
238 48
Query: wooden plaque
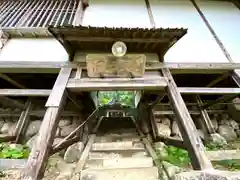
107 65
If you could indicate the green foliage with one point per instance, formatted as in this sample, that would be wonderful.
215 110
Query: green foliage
18 151
174 155
231 165
123 97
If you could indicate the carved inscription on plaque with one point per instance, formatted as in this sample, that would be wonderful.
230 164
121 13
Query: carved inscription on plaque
106 65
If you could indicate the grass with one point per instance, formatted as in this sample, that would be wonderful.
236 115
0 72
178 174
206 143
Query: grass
179 157
8 151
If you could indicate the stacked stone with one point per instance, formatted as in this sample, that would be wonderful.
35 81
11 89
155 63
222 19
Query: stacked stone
65 127
223 124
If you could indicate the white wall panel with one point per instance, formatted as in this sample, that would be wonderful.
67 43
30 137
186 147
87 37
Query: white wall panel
45 50
224 17
115 13
198 45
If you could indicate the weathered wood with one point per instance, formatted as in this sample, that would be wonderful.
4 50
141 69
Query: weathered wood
81 162
64 145
38 158
107 65
219 79
5 77
82 5
157 160
78 73
23 122
207 126
175 67
193 112
219 100
75 102
200 90
236 76
7 102
153 122
78 128
224 155
214 34
59 88
171 141
97 84
6 138
159 98
25 92
112 39
188 130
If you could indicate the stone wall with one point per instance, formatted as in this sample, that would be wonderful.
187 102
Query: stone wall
223 124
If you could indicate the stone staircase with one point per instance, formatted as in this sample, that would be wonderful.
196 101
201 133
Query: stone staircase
119 155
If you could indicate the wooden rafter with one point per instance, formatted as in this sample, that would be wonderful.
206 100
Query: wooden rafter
5 101
11 81
186 125
37 161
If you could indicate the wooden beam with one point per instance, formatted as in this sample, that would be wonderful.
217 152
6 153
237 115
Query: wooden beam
38 158
5 101
224 155
59 88
112 39
81 162
82 5
186 125
202 90
77 129
23 122
193 112
156 159
159 98
171 141
98 84
150 65
236 76
25 92
64 145
219 79
11 81
219 100
207 126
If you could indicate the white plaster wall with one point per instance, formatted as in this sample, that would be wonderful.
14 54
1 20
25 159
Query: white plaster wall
198 45
115 13
224 17
38 50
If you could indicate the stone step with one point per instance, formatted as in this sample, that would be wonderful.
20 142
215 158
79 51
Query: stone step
146 173
117 137
118 146
119 131
117 154
119 163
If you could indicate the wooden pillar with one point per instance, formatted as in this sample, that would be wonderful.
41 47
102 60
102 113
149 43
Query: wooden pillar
186 125
37 161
